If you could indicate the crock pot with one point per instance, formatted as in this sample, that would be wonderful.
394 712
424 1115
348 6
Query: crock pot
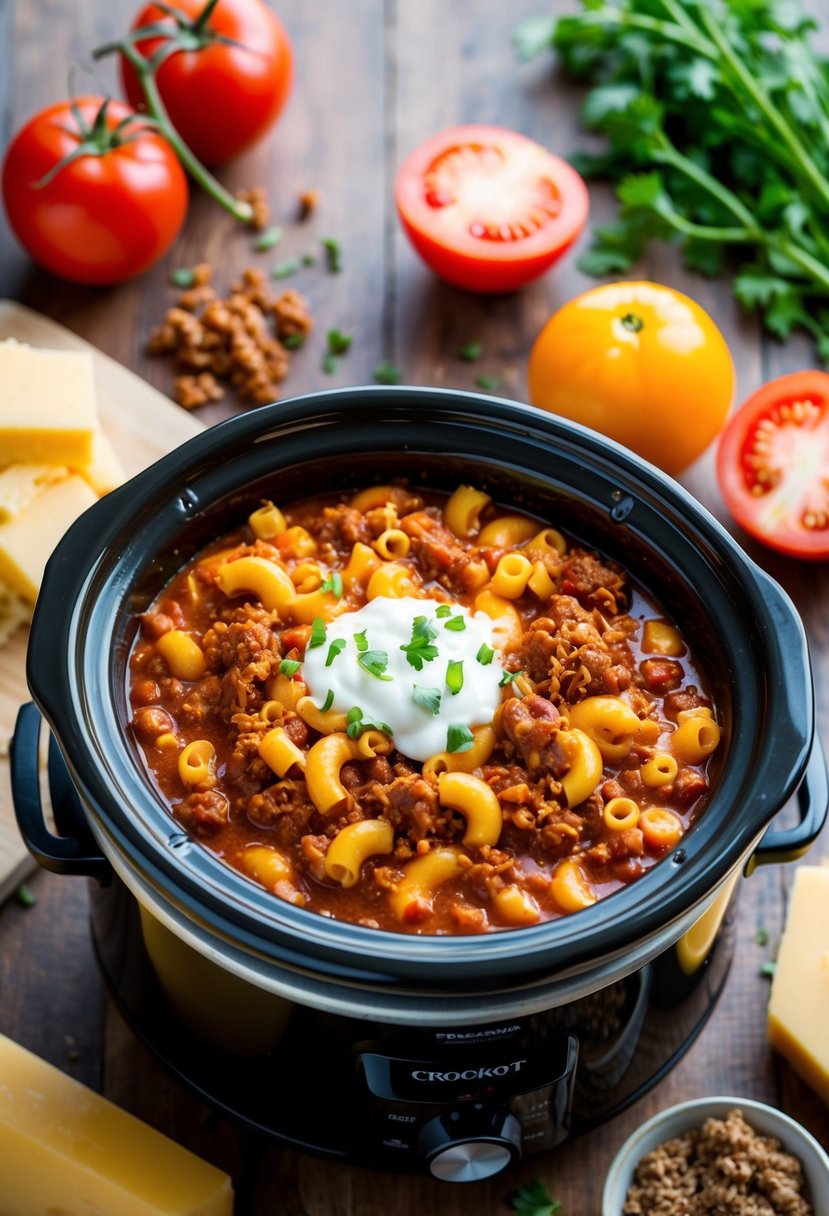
455 1054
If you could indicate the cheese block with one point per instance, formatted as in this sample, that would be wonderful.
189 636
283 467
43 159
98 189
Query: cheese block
27 541
66 1150
104 472
21 483
47 405
799 1003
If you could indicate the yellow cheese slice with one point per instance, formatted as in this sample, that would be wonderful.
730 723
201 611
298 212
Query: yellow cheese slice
47 405
799 1003
27 541
21 483
64 1149
105 471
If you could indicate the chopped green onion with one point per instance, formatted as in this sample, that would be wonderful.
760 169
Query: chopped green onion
308 259
267 239
375 663
387 373
768 969
360 642
289 666
284 270
183 277
334 584
508 677
293 341
454 676
25 897
333 254
459 739
762 937
427 698
457 624
328 702
317 632
489 383
354 715
330 363
485 655
338 342
470 351
336 647
443 610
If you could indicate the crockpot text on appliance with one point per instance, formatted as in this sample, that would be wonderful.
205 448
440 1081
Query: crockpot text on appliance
470 1074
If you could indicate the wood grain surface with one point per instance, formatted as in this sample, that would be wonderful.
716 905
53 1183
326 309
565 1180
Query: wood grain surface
373 78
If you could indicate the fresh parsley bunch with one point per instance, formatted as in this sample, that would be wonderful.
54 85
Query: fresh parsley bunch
716 116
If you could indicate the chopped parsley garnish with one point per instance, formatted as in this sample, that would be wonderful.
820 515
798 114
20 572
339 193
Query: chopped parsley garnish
457 624
328 702
333 254
308 259
293 341
508 677
489 383
533 1199
360 642
289 667
485 655
330 363
25 897
761 937
459 738
768 969
420 649
387 373
338 342
336 647
443 610
334 584
470 351
284 270
356 724
375 663
183 277
267 239
427 698
317 637
454 676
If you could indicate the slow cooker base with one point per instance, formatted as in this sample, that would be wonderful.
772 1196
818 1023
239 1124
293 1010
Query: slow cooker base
561 1072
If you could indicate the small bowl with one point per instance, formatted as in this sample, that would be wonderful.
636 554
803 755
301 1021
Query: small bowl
678 1119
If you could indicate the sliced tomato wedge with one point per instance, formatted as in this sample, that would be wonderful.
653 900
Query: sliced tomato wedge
488 209
773 465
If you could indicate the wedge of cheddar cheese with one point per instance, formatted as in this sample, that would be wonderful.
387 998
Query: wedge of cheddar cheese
799 1002
47 405
65 1149
27 540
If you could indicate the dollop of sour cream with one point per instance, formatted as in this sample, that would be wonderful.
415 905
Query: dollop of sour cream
428 677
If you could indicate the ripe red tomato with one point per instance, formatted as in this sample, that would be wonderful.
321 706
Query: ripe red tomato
220 97
773 465
488 209
104 216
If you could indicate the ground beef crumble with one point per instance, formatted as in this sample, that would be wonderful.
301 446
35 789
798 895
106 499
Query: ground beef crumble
725 1168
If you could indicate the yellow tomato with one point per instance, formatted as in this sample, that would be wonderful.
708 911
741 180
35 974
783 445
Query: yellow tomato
639 362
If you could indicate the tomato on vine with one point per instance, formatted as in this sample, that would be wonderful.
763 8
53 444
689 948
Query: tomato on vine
93 193
223 70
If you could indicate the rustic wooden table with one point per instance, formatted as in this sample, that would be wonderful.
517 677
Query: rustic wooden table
374 77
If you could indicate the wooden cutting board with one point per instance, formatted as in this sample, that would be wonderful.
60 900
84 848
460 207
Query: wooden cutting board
142 425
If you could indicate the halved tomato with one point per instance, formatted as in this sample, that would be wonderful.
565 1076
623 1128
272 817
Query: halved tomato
773 465
488 209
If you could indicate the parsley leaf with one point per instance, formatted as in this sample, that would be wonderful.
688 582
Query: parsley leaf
459 738
533 1199
375 663
293 341
470 351
420 649
454 676
334 584
489 384
427 698
338 342
356 723
387 373
289 666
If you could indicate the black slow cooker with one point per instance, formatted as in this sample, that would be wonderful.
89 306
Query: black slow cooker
457 1055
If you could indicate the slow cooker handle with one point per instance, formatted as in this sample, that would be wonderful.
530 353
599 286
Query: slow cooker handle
75 850
813 802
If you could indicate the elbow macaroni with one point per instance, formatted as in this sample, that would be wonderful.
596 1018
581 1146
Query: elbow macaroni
353 845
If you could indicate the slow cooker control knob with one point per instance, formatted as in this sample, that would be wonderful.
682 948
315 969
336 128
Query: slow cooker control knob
468 1145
